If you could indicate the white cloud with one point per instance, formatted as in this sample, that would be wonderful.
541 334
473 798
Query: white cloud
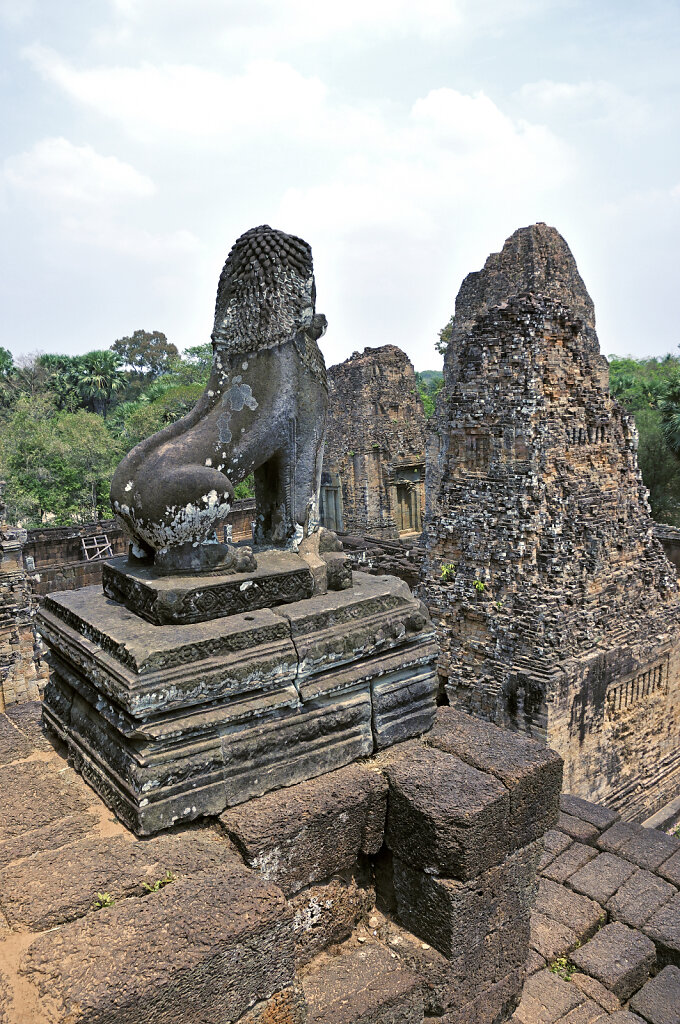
57 171
16 12
175 100
593 100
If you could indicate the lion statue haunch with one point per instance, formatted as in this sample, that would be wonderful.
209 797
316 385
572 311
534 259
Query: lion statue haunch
263 411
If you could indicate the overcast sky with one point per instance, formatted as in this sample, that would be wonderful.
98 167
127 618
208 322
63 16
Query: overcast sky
404 140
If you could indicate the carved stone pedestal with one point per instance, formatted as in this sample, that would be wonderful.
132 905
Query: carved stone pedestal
171 722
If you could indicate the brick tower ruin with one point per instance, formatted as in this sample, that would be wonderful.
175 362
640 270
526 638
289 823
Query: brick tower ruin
374 465
558 612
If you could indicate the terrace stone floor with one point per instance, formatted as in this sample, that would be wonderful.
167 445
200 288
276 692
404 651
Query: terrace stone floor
605 928
85 911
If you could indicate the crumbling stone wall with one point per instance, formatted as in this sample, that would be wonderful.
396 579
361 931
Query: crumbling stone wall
373 473
55 558
558 613
22 671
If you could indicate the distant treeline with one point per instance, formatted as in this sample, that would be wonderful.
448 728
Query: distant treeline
67 421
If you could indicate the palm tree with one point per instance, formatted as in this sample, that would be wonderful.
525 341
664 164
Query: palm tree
101 379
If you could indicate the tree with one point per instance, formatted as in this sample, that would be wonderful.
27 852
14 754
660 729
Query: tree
147 354
102 379
6 362
429 384
57 465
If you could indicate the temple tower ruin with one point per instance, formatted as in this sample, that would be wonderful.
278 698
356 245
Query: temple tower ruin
373 478
558 612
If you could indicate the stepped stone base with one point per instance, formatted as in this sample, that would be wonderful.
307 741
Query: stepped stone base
173 722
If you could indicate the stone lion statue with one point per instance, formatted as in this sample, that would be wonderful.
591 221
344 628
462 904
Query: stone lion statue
263 412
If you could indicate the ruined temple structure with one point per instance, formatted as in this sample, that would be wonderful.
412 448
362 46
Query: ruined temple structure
22 671
374 464
558 612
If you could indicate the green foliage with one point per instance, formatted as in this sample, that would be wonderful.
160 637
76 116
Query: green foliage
429 384
6 362
444 337
448 572
563 967
56 463
66 421
159 883
246 489
147 354
650 389
479 586
103 899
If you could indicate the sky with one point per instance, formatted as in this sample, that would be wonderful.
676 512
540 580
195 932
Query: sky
405 141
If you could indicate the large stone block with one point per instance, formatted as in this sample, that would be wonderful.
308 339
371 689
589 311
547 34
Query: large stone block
308 832
640 897
448 984
444 816
452 915
663 927
202 948
531 772
493 1005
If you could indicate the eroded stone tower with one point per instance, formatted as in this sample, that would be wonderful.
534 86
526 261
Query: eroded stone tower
373 478
558 612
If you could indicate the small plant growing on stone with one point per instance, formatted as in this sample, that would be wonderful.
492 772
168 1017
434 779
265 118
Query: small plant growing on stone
103 899
499 606
448 572
479 586
351 454
563 967
159 883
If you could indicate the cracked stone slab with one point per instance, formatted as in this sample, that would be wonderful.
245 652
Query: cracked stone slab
551 938
659 1000
670 869
581 831
205 947
13 744
56 886
363 986
595 814
663 927
565 864
28 719
619 957
50 794
546 998
601 877
639 898
579 913
554 843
